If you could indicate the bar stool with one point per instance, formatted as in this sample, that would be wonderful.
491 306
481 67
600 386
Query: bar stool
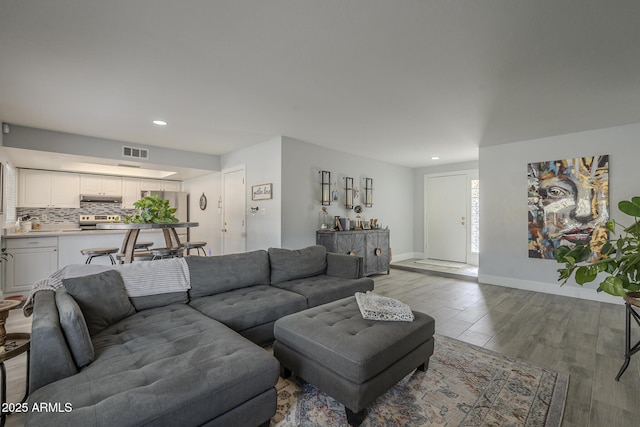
161 253
92 253
142 246
198 246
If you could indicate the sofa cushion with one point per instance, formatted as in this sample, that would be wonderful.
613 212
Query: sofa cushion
159 300
322 289
245 308
74 328
289 264
216 274
101 297
165 366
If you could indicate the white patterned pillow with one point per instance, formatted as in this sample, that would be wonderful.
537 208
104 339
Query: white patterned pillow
377 307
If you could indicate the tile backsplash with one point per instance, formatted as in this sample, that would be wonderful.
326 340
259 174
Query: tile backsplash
70 215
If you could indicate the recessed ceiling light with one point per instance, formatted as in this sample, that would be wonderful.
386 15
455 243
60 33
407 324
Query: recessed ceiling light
160 122
435 158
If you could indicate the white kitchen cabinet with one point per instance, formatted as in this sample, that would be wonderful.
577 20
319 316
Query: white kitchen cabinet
31 259
48 189
150 185
171 185
130 192
159 185
104 185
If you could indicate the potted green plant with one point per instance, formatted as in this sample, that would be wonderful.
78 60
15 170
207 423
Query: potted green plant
152 210
619 258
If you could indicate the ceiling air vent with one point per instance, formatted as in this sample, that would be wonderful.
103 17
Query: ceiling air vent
136 153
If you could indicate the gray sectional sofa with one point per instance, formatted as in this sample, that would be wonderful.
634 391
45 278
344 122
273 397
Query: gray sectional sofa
187 358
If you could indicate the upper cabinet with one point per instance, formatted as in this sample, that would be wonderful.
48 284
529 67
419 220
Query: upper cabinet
171 185
101 185
131 192
51 189
159 185
47 189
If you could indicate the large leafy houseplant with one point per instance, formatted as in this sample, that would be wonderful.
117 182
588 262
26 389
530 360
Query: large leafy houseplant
152 210
619 258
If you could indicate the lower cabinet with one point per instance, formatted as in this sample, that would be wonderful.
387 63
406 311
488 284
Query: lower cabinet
371 245
30 260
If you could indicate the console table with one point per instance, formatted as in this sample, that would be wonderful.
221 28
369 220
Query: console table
371 245
129 243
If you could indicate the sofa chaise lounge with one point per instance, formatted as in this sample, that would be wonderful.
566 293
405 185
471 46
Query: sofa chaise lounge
107 354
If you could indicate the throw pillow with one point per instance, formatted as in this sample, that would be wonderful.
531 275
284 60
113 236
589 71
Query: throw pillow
288 264
101 297
74 328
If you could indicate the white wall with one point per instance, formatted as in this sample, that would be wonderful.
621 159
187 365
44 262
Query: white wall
209 219
503 203
263 165
392 194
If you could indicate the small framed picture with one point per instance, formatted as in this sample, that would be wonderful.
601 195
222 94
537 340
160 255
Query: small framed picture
261 192
366 225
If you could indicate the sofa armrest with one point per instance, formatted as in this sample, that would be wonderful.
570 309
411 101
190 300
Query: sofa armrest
50 358
345 266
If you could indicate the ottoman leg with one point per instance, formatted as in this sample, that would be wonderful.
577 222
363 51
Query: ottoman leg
355 418
424 366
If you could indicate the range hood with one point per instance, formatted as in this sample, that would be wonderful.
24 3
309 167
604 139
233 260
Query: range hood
100 198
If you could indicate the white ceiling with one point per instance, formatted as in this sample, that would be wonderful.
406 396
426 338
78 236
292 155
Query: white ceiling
399 81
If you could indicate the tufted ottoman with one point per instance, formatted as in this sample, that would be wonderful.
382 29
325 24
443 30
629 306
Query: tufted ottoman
351 359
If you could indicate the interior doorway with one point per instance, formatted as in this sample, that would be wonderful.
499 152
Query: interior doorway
448 218
234 234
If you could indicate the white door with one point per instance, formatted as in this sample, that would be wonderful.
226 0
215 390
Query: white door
233 216
446 218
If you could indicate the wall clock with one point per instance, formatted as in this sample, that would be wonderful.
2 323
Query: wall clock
203 202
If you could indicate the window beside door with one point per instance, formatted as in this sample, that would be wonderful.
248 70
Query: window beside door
475 216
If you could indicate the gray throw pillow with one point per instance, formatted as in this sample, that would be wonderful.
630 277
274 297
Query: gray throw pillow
74 328
290 264
101 297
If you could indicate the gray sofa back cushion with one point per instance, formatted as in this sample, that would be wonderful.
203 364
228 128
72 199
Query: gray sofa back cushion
101 297
290 264
159 300
74 328
216 274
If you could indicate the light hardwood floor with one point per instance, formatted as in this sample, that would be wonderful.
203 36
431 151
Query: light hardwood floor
582 338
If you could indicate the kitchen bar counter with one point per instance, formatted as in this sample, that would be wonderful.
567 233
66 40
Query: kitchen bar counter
128 244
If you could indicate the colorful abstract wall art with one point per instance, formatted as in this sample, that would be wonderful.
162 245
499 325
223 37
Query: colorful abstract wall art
568 204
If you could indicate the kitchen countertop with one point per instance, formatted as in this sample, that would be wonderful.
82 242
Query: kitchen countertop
63 232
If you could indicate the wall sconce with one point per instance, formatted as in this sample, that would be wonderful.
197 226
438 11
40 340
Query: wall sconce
325 186
348 189
368 192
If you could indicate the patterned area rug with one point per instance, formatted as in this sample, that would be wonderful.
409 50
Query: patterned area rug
465 385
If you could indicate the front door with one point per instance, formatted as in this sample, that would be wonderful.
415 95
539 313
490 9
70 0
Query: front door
446 218
233 216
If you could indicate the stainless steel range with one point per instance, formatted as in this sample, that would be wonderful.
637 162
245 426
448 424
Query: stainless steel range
89 222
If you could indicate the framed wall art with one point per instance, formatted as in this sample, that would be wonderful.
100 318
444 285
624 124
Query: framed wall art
568 203
262 192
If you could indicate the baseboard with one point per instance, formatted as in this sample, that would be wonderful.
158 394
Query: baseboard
547 288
